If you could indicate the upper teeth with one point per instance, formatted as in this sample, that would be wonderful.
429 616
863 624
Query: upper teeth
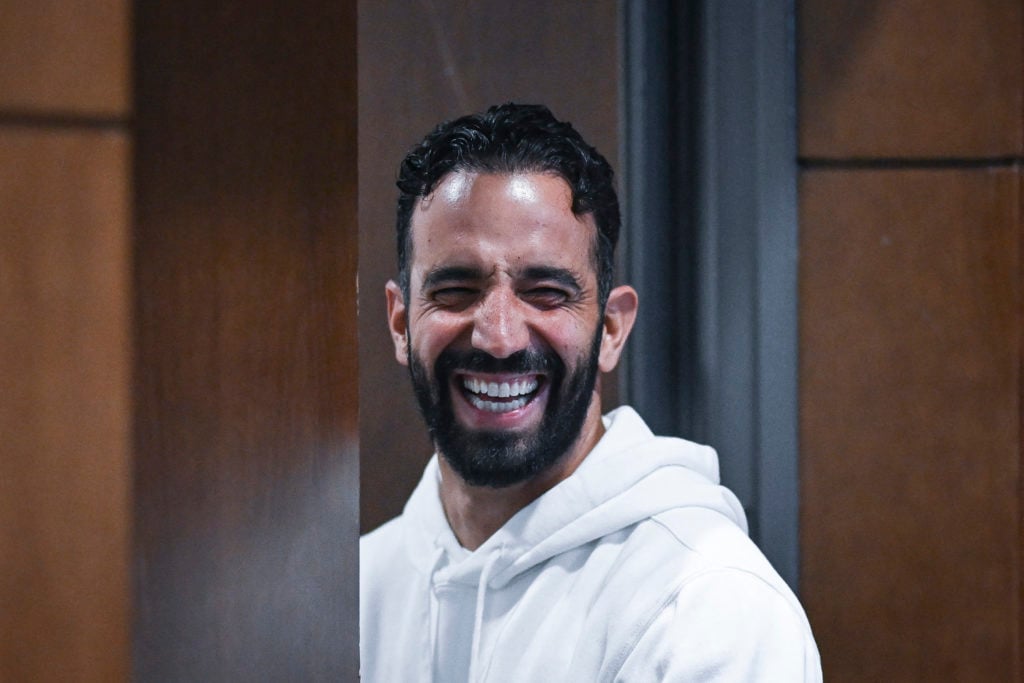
500 389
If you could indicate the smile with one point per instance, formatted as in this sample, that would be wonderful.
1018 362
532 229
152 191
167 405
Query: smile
500 397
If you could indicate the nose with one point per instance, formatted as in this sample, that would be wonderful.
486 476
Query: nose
499 325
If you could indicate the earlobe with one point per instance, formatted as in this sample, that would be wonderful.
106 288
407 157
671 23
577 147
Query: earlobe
397 321
619 316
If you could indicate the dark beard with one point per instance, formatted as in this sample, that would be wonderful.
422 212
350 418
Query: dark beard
500 459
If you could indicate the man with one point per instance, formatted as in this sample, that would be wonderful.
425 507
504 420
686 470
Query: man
546 542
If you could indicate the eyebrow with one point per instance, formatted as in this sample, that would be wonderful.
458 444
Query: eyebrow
450 274
561 276
446 274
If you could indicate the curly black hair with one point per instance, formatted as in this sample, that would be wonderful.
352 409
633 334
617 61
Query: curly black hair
513 138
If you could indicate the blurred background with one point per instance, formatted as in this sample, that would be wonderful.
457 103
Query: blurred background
199 405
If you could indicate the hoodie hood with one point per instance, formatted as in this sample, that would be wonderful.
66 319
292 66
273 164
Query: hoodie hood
630 475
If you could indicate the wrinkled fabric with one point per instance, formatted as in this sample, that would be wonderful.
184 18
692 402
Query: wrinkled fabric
637 567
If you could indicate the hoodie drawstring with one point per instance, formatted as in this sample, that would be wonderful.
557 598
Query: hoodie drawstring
478 620
432 614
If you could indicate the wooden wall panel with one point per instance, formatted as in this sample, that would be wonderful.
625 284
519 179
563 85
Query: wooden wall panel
64 405
910 412
246 493
911 78
59 57
453 58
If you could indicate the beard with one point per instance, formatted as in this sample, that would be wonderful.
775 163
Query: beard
501 458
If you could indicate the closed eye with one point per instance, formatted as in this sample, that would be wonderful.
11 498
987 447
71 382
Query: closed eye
545 297
455 297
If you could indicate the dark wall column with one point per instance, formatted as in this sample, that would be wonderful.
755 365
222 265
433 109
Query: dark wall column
245 248
711 205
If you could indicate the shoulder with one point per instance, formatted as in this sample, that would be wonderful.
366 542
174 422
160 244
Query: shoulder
385 571
714 541
691 540
383 562
722 612
724 624
381 546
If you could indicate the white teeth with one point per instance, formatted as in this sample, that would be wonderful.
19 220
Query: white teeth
497 407
502 390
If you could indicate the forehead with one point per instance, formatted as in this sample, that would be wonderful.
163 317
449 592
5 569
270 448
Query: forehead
501 220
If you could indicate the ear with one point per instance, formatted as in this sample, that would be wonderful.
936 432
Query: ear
397 321
619 316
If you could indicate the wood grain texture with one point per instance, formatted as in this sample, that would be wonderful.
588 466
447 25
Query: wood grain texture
911 78
422 63
246 475
64 406
910 402
65 57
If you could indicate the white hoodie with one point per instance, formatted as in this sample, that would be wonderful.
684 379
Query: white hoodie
637 567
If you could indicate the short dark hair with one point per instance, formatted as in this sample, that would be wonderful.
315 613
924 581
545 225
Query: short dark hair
513 138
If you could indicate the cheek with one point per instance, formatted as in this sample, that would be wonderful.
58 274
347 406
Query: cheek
571 339
431 336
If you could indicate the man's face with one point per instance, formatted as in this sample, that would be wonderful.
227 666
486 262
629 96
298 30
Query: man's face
502 330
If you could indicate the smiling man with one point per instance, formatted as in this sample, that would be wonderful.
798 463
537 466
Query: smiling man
546 542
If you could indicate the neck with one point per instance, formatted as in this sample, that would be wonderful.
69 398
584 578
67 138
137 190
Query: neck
475 513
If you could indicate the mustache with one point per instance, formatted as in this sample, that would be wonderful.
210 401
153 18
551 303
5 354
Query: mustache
521 362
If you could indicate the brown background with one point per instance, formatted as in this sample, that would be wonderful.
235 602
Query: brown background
65 341
910 130
178 419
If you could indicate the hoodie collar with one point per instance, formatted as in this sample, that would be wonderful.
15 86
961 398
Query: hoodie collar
630 475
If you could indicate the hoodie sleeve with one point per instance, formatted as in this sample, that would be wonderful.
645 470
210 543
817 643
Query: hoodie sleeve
724 625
